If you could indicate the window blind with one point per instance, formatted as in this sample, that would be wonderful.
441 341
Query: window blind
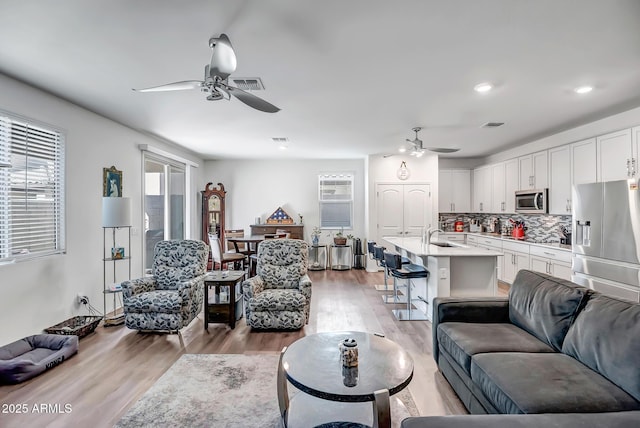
31 189
335 194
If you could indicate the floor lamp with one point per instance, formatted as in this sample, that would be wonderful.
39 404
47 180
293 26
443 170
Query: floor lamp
116 214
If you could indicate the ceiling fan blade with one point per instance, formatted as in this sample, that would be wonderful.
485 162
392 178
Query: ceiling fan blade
250 99
176 86
223 58
442 149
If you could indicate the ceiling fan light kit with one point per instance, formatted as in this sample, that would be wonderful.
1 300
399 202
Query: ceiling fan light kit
216 78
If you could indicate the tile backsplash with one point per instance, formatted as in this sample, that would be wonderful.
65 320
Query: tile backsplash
539 227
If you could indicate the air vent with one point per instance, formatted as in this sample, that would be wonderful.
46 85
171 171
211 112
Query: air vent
248 83
280 140
492 124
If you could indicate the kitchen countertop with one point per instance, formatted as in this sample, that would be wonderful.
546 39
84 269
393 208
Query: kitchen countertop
529 241
414 246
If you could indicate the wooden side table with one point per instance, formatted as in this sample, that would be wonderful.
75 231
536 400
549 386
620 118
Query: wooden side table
226 301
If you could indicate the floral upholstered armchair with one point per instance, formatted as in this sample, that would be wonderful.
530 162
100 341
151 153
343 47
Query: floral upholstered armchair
279 296
172 297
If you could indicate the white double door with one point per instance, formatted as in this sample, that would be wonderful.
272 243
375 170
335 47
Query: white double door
403 209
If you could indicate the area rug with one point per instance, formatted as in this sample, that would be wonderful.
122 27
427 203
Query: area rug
222 390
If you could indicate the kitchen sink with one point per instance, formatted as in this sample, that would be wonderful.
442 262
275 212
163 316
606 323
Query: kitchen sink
443 244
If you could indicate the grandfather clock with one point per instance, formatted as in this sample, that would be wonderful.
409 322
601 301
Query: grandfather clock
213 211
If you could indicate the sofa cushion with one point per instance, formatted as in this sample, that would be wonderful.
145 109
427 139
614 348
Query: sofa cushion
545 306
546 383
277 300
163 301
606 337
566 420
463 340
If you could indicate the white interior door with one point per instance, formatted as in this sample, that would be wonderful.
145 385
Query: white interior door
403 209
417 208
390 210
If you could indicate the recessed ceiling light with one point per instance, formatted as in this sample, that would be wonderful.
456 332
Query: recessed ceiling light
402 149
283 147
583 89
483 87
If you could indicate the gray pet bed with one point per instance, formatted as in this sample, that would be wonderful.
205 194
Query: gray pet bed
28 357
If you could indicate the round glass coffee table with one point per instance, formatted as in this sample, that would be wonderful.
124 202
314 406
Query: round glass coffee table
313 365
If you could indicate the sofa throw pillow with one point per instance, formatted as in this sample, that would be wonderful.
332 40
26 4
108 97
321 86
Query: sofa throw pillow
545 306
606 338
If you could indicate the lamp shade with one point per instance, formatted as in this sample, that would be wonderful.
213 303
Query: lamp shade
116 212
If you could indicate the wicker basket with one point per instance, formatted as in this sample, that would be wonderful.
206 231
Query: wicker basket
79 326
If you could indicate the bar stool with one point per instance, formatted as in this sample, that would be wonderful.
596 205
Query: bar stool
378 255
371 245
411 271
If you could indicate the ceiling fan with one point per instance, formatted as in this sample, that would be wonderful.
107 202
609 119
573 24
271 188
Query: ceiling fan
418 149
216 77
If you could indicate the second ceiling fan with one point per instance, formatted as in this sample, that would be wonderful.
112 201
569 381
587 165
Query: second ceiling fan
418 149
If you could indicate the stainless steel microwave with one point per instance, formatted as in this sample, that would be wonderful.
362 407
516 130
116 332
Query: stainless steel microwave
532 201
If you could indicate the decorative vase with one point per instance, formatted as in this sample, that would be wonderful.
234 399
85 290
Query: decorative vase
315 240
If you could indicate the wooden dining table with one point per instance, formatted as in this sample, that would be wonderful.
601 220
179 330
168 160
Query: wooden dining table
251 242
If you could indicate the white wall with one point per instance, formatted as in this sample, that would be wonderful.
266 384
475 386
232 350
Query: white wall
39 293
256 188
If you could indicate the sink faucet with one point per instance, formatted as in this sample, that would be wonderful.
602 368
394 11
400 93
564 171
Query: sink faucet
429 233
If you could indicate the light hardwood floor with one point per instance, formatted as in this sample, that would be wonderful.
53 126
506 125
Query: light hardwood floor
115 365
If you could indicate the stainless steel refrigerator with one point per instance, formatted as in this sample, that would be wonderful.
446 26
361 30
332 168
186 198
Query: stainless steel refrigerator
606 237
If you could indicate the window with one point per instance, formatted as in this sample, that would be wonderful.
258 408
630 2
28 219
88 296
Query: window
335 193
31 189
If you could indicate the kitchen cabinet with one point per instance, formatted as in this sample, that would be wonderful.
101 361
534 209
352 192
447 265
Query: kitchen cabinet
584 163
493 244
533 171
516 257
498 190
482 189
560 180
551 261
456 237
403 209
504 183
617 156
454 191
511 175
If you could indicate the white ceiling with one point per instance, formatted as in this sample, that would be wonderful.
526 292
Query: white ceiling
352 77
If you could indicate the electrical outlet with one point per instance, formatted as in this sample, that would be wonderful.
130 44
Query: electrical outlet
82 299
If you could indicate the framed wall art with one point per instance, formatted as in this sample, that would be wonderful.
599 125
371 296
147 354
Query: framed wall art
111 182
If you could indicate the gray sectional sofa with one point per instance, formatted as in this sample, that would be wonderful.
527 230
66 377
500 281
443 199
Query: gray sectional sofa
565 353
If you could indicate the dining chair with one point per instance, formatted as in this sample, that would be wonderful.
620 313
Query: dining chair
220 258
235 247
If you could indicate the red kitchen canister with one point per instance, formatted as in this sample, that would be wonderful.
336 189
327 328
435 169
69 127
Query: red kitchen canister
458 226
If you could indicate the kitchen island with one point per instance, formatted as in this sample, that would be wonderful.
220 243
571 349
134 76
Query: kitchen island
455 269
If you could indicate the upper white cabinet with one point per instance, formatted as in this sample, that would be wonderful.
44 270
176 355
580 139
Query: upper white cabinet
454 191
584 163
617 156
482 189
533 171
510 184
560 180
498 191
